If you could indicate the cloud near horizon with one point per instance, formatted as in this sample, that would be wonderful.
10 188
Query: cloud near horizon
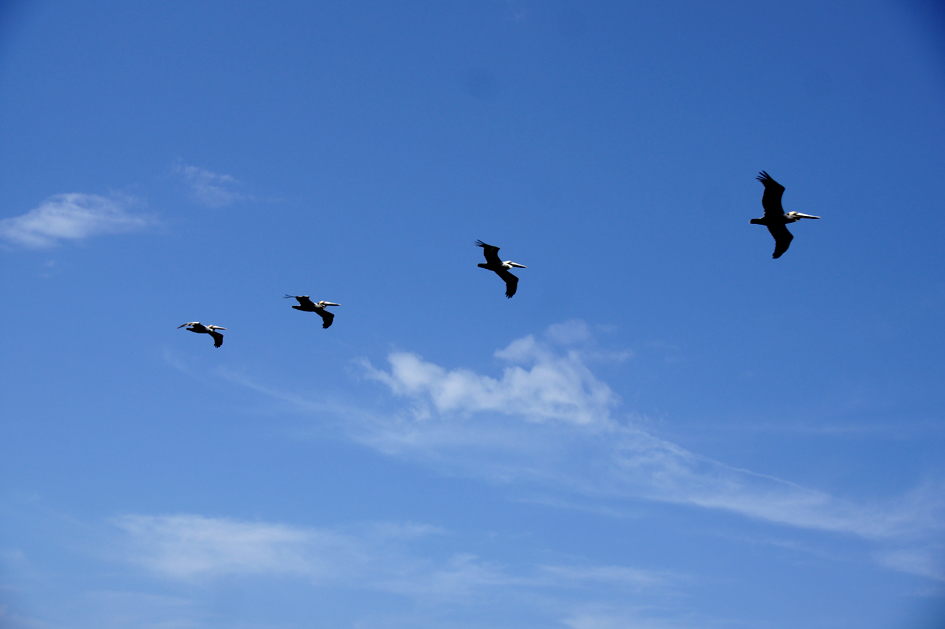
72 216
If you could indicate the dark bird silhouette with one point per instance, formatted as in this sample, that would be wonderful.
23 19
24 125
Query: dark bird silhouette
199 328
493 263
306 305
775 219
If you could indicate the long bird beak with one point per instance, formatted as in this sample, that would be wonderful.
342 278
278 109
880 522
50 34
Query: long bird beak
799 215
516 264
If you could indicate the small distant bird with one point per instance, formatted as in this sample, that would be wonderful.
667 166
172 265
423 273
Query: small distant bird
493 263
306 305
199 328
775 219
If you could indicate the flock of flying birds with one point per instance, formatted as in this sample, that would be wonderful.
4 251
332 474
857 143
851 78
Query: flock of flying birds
775 219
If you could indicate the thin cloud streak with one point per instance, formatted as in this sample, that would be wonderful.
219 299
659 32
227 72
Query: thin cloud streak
195 549
548 419
608 619
548 423
925 562
209 188
72 216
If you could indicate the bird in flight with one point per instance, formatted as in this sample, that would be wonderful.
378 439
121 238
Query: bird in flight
493 263
199 328
306 305
775 218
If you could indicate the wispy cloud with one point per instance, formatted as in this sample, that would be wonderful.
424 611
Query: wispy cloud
211 189
73 216
545 422
621 619
926 562
548 419
375 556
188 547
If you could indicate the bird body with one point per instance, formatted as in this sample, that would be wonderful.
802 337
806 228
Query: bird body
775 218
493 263
199 328
307 305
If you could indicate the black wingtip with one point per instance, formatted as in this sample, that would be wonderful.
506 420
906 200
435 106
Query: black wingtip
763 176
479 243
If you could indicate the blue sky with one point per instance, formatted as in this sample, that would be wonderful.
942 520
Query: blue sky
663 429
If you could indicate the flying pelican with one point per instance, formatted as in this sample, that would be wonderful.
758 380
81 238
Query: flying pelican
199 328
306 305
775 218
493 263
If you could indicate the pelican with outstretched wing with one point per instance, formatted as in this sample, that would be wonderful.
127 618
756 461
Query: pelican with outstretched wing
307 305
199 328
493 263
775 218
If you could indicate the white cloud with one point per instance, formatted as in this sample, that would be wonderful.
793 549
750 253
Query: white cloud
548 419
554 387
378 556
632 619
192 547
209 188
631 578
926 562
72 216
187 546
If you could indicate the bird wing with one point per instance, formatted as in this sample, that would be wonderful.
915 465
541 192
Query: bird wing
771 200
782 239
189 323
326 316
511 282
217 338
491 253
305 301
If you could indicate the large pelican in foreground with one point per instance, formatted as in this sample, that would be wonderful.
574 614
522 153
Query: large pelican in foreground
775 218
199 328
306 305
493 263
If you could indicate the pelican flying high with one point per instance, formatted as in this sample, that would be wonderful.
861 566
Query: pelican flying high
493 263
306 305
775 218
199 328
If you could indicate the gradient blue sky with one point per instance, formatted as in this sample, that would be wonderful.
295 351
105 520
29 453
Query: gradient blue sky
663 429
